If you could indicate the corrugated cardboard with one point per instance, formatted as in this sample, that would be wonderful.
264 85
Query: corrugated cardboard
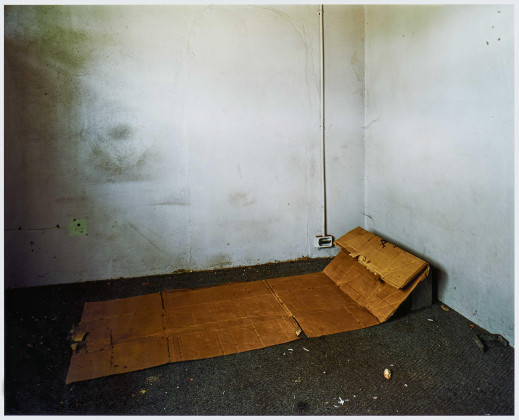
392 264
363 286
319 306
368 290
225 319
125 335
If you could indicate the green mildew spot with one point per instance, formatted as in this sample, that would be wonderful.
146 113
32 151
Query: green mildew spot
77 226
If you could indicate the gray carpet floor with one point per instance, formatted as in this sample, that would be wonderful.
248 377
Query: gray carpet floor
436 366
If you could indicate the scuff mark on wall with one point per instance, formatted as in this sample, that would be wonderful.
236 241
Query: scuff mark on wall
171 203
22 228
153 244
371 122
241 199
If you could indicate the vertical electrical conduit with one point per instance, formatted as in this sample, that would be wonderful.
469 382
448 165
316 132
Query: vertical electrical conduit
323 240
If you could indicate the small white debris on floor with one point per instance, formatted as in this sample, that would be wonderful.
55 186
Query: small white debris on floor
405 385
305 349
290 349
430 319
341 401
375 398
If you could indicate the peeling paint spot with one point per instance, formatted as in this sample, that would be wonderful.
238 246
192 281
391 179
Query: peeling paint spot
77 226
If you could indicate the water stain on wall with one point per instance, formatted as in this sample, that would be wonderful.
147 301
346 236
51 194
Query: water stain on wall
220 261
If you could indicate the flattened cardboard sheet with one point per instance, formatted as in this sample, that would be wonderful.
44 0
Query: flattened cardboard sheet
225 319
363 286
125 335
392 264
122 335
319 306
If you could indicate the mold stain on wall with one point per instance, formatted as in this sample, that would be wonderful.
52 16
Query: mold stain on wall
113 113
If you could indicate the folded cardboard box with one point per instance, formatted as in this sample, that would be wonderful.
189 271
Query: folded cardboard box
363 286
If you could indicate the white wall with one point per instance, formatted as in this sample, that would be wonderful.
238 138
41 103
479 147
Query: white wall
187 138
439 148
184 137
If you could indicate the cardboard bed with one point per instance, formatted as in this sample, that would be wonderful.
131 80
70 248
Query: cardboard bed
362 286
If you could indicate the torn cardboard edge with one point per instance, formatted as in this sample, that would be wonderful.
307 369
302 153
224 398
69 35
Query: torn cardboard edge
129 334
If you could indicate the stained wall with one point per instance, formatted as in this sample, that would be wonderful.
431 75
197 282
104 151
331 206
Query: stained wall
150 139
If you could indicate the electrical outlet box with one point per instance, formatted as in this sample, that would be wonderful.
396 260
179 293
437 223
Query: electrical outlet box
323 241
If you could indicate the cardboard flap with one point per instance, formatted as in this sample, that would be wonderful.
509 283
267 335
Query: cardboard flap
388 262
367 289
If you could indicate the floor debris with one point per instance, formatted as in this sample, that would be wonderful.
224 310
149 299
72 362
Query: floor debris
305 349
445 308
143 391
488 337
387 374
341 401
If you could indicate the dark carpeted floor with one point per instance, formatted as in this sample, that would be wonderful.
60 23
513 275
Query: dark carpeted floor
437 367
